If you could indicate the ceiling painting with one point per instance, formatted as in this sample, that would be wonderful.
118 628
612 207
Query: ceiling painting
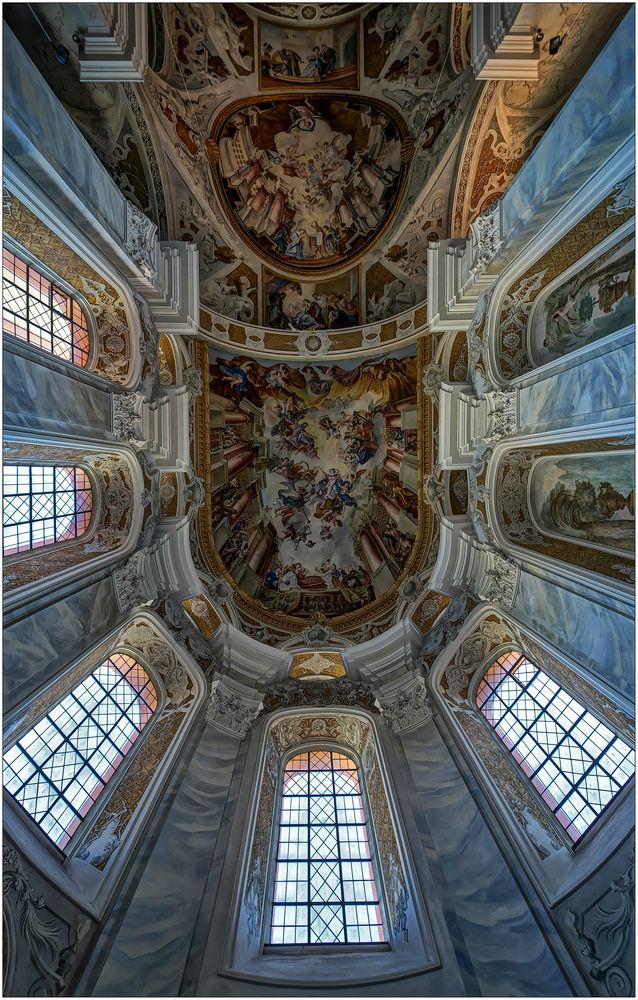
320 56
593 302
234 295
310 182
203 44
313 479
292 304
388 294
405 42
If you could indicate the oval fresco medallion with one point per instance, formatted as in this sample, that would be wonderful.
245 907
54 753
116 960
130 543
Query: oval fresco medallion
310 183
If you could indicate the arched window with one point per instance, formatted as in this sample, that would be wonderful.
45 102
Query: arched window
325 889
44 504
36 310
575 762
57 770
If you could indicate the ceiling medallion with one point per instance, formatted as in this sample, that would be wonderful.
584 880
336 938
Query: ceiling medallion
310 183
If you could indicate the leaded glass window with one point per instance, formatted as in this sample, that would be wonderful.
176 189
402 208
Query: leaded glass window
575 762
37 311
44 504
325 889
57 770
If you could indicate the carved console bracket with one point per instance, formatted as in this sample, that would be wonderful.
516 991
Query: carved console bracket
456 272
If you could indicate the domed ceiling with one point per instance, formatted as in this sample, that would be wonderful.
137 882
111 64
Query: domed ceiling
310 152
310 184
298 140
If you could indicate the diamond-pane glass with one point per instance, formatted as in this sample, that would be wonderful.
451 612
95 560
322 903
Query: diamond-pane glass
44 504
38 312
323 857
575 762
57 770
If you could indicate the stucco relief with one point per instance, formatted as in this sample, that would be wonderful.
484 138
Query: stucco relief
398 895
40 947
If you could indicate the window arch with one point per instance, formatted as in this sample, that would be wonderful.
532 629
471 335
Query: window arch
44 504
38 311
57 769
575 762
325 890
344 748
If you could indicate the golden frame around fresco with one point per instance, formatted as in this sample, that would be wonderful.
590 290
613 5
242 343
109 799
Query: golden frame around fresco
418 555
213 153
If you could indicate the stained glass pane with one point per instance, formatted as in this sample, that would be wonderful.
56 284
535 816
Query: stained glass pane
44 504
323 857
575 762
57 769
37 311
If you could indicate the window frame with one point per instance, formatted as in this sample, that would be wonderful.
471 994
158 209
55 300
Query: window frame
238 950
25 348
557 876
85 536
25 819
560 829
266 947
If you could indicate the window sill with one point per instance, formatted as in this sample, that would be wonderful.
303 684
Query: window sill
299 950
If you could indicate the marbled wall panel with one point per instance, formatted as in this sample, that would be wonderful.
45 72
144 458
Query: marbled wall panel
599 389
599 638
38 647
38 398
28 100
508 953
596 120
151 944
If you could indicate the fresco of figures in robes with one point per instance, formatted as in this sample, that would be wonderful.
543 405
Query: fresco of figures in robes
313 513
309 182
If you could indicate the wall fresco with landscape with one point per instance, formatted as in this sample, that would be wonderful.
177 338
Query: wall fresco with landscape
594 302
586 497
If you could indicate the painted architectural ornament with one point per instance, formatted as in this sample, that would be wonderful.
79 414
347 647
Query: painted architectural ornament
317 665
309 182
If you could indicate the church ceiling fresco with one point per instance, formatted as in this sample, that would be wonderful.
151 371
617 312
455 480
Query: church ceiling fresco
310 183
311 305
577 301
312 483
335 98
595 301
320 56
